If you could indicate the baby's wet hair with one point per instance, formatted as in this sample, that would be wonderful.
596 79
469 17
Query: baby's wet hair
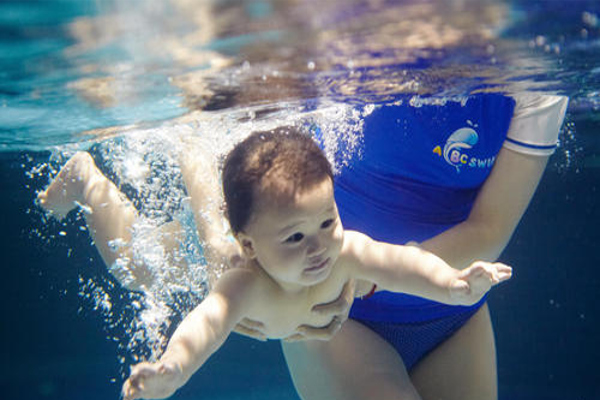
279 163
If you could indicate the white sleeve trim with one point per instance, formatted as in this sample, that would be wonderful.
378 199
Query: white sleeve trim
536 122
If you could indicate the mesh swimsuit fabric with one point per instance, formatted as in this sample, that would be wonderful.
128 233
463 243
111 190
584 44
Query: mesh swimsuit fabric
413 341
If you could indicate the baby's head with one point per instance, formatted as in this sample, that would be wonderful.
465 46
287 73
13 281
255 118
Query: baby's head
276 164
278 188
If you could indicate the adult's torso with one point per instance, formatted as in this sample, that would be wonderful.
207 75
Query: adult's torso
417 174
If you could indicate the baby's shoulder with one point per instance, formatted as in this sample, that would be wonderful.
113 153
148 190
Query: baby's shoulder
244 288
355 243
239 280
359 254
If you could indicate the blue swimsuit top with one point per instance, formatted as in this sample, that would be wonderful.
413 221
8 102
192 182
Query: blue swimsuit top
418 173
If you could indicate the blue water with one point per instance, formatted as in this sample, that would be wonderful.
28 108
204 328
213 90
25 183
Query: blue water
97 74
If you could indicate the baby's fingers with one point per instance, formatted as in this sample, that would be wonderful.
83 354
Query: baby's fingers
141 371
128 391
135 384
503 272
497 272
494 272
475 270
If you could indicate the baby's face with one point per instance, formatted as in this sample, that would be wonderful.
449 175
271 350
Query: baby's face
297 242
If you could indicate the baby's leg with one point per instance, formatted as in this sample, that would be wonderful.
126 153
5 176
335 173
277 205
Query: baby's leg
108 213
199 172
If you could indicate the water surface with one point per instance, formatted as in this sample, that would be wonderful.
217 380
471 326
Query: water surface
125 79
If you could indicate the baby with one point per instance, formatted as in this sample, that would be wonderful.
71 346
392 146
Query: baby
278 189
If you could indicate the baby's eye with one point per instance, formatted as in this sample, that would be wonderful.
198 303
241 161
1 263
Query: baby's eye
295 238
326 224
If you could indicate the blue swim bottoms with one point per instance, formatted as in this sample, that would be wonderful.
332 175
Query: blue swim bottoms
413 341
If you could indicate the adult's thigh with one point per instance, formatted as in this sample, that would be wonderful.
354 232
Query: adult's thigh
463 367
355 364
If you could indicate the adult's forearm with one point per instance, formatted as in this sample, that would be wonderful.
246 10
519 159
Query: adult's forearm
467 242
499 206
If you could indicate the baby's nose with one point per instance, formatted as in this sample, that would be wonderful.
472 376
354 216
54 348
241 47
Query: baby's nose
315 247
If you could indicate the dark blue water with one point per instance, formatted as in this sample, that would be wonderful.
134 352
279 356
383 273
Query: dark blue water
59 345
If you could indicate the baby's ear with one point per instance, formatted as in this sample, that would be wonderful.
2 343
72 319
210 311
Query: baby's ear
247 244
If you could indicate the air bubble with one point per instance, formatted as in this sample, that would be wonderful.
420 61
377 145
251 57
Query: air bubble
590 19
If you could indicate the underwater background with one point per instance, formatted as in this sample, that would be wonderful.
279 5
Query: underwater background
121 78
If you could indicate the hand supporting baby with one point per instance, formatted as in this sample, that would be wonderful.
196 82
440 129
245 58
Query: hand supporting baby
337 310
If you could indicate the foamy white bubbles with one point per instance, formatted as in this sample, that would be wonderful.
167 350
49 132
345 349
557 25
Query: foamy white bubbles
164 248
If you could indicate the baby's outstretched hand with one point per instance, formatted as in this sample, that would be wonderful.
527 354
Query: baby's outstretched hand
152 381
473 282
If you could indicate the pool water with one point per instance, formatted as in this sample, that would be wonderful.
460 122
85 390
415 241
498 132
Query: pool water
124 78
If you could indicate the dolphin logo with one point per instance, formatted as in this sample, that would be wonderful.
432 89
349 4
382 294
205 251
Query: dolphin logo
463 138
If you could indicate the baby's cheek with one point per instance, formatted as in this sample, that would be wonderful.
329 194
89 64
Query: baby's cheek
291 256
337 239
338 233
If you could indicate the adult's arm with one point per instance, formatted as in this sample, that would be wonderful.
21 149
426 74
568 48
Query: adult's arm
499 206
506 194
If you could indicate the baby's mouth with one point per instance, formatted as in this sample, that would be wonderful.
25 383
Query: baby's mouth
317 267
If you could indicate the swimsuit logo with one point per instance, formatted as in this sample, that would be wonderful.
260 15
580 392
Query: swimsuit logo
455 149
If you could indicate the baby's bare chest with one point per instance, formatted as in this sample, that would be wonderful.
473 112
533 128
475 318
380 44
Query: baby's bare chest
282 314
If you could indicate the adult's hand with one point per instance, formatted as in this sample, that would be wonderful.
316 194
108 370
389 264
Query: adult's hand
337 309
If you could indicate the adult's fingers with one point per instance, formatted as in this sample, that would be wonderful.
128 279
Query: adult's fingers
297 337
250 328
252 324
322 333
341 305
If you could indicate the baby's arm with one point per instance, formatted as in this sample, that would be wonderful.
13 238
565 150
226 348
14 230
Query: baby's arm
200 334
408 269
476 280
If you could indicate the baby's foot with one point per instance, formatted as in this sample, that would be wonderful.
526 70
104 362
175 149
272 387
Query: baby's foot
67 188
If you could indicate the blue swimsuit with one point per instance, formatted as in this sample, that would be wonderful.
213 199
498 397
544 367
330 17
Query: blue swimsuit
419 174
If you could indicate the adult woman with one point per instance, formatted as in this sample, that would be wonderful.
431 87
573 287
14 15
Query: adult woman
449 177
438 187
